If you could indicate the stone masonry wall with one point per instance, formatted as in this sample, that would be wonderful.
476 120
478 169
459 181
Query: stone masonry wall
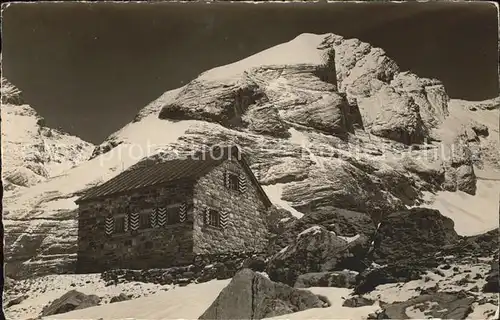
246 229
205 268
142 249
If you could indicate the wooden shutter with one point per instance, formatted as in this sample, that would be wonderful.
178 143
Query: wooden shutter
182 212
161 217
224 219
125 223
109 225
134 221
206 215
242 183
226 179
153 218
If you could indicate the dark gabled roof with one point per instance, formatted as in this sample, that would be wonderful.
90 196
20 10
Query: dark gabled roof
152 173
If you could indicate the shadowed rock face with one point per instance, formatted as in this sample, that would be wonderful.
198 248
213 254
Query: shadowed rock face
493 283
250 295
412 234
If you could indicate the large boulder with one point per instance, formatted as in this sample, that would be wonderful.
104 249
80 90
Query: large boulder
215 101
342 222
314 250
394 272
251 295
71 300
413 234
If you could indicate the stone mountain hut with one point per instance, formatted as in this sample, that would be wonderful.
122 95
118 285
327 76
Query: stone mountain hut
164 214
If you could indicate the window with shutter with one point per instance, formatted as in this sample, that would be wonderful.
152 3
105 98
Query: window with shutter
120 224
173 216
144 221
233 181
213 218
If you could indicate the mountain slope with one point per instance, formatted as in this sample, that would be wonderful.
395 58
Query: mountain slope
370 139
33 152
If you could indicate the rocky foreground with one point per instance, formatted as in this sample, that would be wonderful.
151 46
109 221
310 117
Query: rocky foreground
414 265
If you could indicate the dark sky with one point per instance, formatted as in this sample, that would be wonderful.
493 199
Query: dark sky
89 68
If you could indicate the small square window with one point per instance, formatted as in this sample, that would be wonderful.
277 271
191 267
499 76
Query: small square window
233 181
119 224
173 216
214 218
144 221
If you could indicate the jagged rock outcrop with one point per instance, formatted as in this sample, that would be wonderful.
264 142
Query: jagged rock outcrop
314 250
10 94
429 94
393 104
393 115
72 300
265 119
223 103
250 295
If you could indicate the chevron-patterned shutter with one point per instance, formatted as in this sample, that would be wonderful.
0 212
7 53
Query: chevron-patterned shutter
134 221
161 217
207 215
183 212
125 223
109 225
242 183
224 219
226 179
153 218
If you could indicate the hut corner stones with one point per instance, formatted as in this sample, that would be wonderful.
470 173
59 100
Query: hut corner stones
165 214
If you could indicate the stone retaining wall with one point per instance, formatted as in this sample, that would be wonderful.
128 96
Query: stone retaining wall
203 268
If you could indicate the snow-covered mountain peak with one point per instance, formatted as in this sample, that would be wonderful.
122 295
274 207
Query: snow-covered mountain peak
33 152
304 49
